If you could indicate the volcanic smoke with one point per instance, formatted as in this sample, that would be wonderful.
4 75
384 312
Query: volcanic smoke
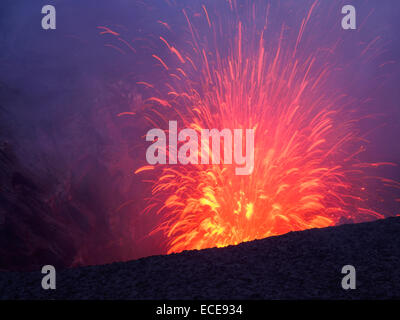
236 72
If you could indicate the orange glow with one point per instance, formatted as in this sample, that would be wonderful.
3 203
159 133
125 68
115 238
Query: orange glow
304 159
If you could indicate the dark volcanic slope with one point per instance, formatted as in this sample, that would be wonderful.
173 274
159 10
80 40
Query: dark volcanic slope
297 265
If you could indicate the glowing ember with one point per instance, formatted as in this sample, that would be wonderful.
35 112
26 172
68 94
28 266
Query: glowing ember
306 173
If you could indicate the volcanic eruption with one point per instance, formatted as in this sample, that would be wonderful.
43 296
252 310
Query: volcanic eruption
77 188
238 71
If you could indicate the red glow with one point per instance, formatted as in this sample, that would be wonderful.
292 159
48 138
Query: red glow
306 172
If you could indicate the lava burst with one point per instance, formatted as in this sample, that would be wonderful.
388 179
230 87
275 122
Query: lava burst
234 75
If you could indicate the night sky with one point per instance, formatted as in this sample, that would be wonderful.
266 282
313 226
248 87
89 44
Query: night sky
69 195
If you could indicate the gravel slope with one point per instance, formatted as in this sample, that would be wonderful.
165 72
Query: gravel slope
297 265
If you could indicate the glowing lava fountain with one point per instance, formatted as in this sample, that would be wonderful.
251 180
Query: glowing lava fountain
235 75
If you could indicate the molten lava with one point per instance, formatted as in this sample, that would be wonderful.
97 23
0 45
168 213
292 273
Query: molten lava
232 75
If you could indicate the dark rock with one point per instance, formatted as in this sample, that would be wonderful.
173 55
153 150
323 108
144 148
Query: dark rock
298 265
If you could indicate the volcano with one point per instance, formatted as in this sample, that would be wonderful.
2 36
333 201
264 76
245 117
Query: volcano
297 265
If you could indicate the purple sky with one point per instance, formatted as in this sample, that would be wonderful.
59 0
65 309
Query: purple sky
60 88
